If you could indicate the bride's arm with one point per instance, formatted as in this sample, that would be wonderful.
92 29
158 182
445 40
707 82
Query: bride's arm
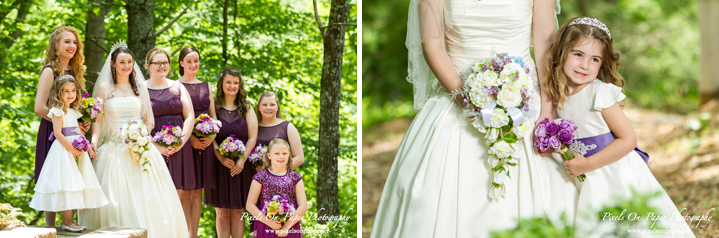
542 31
97 125
431 20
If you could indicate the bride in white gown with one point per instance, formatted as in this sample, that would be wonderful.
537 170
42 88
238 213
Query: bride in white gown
439 182
137 199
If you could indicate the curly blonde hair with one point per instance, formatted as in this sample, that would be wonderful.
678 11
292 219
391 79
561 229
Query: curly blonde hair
567 36
77 63
56 93
278 141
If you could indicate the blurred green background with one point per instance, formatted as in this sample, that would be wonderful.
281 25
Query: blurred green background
658 43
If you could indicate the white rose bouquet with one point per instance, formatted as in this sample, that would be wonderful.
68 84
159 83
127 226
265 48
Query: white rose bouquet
497 101
137 140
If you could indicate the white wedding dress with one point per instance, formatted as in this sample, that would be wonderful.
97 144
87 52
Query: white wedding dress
440 179
137 199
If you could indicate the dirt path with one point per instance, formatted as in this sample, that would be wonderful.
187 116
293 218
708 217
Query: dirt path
691 179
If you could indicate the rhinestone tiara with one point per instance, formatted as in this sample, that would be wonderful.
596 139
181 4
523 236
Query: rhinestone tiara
119 44
592 22
65 77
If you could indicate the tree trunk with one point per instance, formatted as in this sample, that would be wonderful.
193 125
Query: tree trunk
225 6
21 14
709 57
330 85
95 41
140 30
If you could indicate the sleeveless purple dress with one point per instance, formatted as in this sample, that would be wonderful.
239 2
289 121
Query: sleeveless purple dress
264 136
229 192
42 143
276 185
167 109
204 159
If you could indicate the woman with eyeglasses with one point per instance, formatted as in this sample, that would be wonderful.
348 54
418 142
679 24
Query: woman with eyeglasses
172 106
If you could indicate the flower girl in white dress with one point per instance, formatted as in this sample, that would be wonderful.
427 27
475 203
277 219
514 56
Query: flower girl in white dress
66 185
585 85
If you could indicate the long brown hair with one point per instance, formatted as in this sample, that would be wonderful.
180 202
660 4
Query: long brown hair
240 100
184 52
278 141
56 93
567 36
77 62
277 101
113 57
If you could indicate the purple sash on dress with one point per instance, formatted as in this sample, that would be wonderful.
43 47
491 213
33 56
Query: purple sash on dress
66 131
603 140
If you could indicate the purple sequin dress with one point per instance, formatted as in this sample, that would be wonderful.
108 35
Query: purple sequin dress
276 185
204 159
229 192
167 109
264 136
42 145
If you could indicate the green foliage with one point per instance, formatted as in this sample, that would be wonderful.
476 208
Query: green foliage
276 46
658 43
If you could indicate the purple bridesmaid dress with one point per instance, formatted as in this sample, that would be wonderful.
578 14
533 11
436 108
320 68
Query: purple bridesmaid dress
229 192
276 185
204 159
42 141
264 136
167 109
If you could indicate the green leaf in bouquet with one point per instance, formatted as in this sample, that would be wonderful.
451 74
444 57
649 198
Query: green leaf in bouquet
511 138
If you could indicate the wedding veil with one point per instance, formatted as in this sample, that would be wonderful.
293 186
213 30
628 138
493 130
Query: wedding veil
105 86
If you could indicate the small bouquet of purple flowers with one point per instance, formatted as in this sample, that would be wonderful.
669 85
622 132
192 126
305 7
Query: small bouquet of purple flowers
205 126
559 135
89 107
279 208
232 148
81 144
168 136
256 155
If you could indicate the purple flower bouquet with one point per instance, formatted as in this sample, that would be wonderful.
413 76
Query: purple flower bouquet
205 126
81 144
279 209
256 155
168 136
557 134
89 108
232 148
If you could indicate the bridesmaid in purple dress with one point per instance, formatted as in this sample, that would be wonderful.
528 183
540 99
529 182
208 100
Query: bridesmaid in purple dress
203 103
272 125
172 105
277 180
237 117
62 56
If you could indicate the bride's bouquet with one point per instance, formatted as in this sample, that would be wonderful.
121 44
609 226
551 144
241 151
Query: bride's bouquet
497 101
89 107
205 126
168 136
279 209
559 135
137 141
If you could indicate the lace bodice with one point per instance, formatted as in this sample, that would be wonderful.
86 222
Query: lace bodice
119 111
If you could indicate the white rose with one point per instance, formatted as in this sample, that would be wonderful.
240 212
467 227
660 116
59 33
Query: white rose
501 149
143 131
509 69
479 99
146 155
499 177
479 124
142 141
476 67
135 148
134 134
521 129
523 80
499 118
493 161
495 193
509 96
141 160
133 128
488 78
492 134
123 132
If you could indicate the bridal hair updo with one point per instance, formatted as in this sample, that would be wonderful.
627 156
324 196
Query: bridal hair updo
184 52
240 100
77 62
273 143
55 98
113 57
567 36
